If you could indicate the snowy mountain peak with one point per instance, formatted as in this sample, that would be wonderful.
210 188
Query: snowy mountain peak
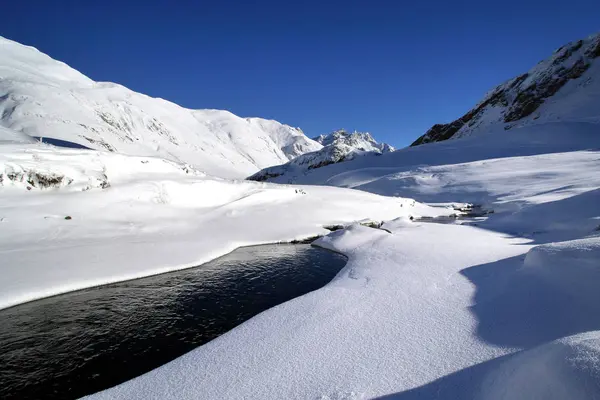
360 140
564 86
338 146
44 98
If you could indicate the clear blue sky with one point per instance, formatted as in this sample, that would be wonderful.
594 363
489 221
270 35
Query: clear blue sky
393 68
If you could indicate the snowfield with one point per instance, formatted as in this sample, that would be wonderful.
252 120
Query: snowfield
501 307
129 217
504 305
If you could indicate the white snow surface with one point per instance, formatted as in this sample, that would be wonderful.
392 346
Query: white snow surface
42 97
501 307
139 216
338 146
360 140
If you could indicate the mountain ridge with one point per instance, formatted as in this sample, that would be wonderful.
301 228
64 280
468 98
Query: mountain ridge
527 98
43 97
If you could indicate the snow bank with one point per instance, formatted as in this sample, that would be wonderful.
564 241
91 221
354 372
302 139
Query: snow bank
428 310
568 368
396 317
71 219
572 267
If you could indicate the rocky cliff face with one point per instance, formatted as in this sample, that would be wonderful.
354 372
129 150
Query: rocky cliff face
547 92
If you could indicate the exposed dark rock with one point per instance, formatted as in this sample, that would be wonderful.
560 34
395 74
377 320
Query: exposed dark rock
594 52
308 240
519 99
567 52
324 163
100 142
263 176
44 181
531 98
441 132
333 228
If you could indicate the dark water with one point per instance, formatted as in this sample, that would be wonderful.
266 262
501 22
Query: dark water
79 343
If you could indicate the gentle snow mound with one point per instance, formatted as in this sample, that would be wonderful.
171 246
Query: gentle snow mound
572 266
567 368
127 217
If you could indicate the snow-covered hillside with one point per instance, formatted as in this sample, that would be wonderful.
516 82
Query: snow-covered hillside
42 97
504 306
554 107
537 139
564 87
500 306
338 146
130 216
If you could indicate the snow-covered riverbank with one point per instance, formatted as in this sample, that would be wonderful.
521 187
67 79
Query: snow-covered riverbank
71 219
426 311
432 310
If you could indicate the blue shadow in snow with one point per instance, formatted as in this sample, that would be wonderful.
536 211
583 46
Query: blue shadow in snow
61 143
514 308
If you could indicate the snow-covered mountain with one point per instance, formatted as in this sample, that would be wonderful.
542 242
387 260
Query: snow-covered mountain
564 87
504 305
360 141
42 97
552 108
338 146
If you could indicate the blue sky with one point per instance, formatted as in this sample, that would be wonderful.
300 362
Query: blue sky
393 68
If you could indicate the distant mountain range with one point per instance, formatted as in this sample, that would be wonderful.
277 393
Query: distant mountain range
44 99
553 107
338 146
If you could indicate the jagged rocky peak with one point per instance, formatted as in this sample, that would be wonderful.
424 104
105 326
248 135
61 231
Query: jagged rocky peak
359 140
338 146
563 86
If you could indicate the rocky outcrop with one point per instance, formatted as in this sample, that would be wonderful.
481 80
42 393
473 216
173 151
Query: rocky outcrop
522 96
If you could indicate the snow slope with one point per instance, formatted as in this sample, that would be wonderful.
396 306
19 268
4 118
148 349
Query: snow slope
525 141
137 216
554 107
337 147
503 307
42 97
564 87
